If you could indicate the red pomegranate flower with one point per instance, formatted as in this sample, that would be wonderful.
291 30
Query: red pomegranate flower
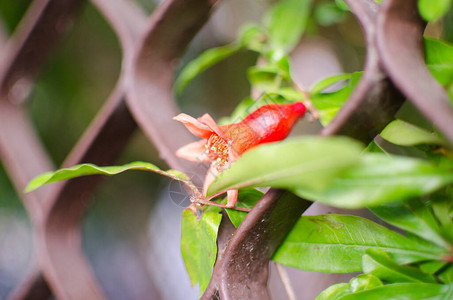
222 145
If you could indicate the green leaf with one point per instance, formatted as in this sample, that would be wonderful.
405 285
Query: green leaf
264 77
431 267
448 294
90 169
329 81
247 198
413 216
342 5
336 244
380 179
335 292
439 60
402 291
207 59
374 147
442 73
432 10
327 13
290 94
442 204
356 284
378 263
364 282
438 52
252 37
402 133
287 22
199 244
329 103
305 161
446 275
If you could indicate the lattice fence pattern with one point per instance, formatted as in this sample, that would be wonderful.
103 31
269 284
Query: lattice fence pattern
142 99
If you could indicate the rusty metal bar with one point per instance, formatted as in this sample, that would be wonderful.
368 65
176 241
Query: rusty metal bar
400 45
37 34
21 152
374 101
58 228
101 144
150 95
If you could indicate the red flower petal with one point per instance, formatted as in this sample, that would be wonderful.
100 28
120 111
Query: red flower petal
195 151
195 126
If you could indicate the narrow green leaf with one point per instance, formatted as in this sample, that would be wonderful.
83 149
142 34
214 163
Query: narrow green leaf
374 147
336 244
290 94
264 77
287 23
207 59
442 204
252 37
378 263
329 103
90 169
439 60
323 84
431 267
247 198
283 65
305 161
360 283
402 291
438 52
364 282
446 275
327 13
432 10
413 216
380 179
402 133
342 5
199 244
448 294
356 284
443 73
335 292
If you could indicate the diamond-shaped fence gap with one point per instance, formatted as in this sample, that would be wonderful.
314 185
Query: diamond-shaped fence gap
75 83
114 233
146 5
15 236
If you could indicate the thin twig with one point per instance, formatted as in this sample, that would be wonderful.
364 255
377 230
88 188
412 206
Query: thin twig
286 282
314 114
204 202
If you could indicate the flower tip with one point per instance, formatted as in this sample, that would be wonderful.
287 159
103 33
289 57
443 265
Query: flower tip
299 108
179 117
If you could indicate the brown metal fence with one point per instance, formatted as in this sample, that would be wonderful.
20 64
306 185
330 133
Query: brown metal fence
142 97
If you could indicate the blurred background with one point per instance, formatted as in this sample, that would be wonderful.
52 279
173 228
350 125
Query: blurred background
132 218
